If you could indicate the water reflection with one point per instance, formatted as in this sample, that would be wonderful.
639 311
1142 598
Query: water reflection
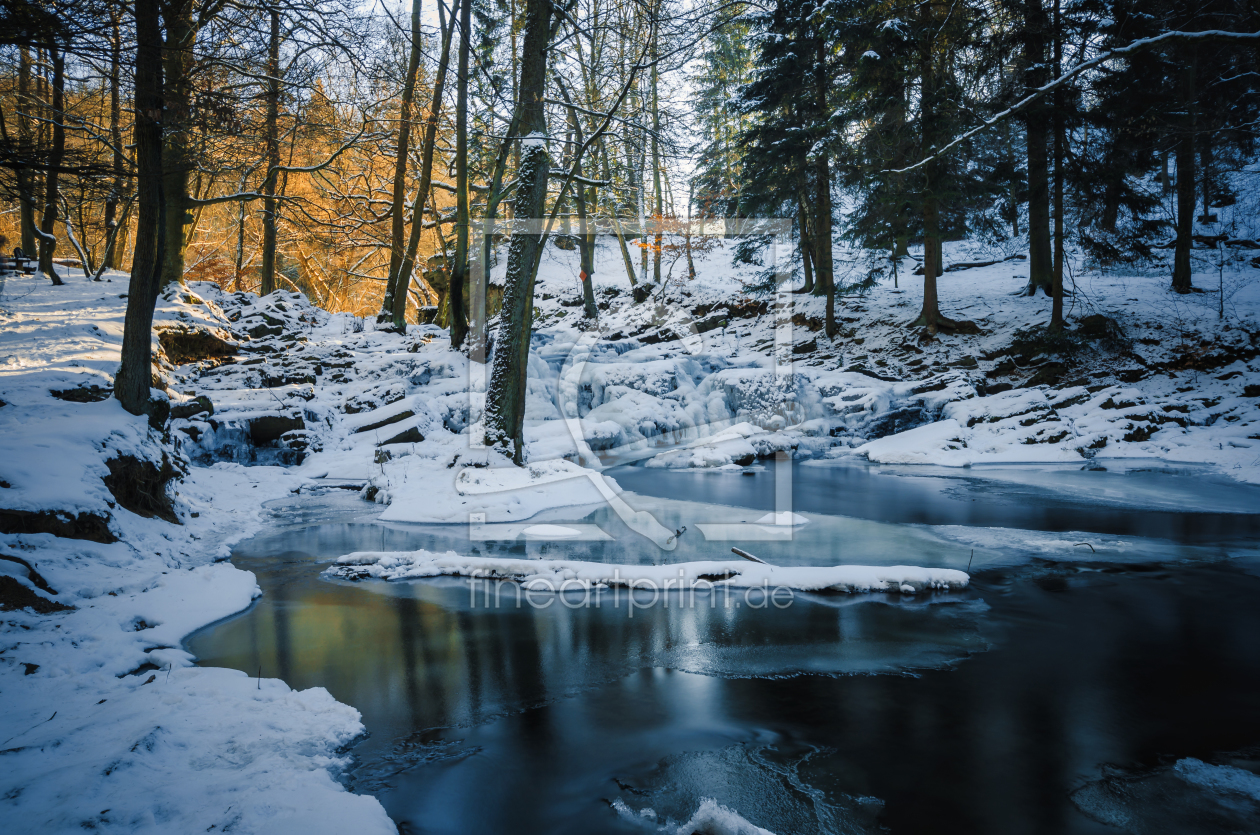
995 705
1187 505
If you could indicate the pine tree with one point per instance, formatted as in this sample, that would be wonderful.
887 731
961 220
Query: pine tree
726 66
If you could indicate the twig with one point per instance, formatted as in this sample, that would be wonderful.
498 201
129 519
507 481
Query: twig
748 556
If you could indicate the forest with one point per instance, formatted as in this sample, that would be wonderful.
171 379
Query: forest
347 151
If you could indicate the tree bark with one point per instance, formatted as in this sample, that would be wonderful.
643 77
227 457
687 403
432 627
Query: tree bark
505 400
459 275
270 205
47 222
131 386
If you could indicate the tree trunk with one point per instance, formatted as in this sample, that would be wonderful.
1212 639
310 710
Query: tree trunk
1205 168
586 253
131 386
505 400
807 261
1186 190
691 199
493 197
658 240
26 138
113 257
402 279
1060 140
1011 192
824 280
586 235
644 290
1037 128
459 275
270 206
930 316
398 214
47 222
621 238
178 61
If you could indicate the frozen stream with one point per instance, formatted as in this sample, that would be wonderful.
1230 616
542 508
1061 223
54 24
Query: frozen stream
1067 686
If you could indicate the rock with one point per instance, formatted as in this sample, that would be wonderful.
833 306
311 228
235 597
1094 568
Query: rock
268 429
83 394
158 411
90 526
184 343
387 421
1095 326
262 329
407 436
139 485
895 421
710 323
805 347
15 595
196 406
1046 375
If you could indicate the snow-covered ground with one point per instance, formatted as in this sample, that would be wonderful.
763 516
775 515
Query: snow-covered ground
107 725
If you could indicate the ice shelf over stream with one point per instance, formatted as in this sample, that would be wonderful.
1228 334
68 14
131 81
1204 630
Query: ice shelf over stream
565 575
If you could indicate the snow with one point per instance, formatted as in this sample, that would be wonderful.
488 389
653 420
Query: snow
1219 778
105 724
711 818
565 575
